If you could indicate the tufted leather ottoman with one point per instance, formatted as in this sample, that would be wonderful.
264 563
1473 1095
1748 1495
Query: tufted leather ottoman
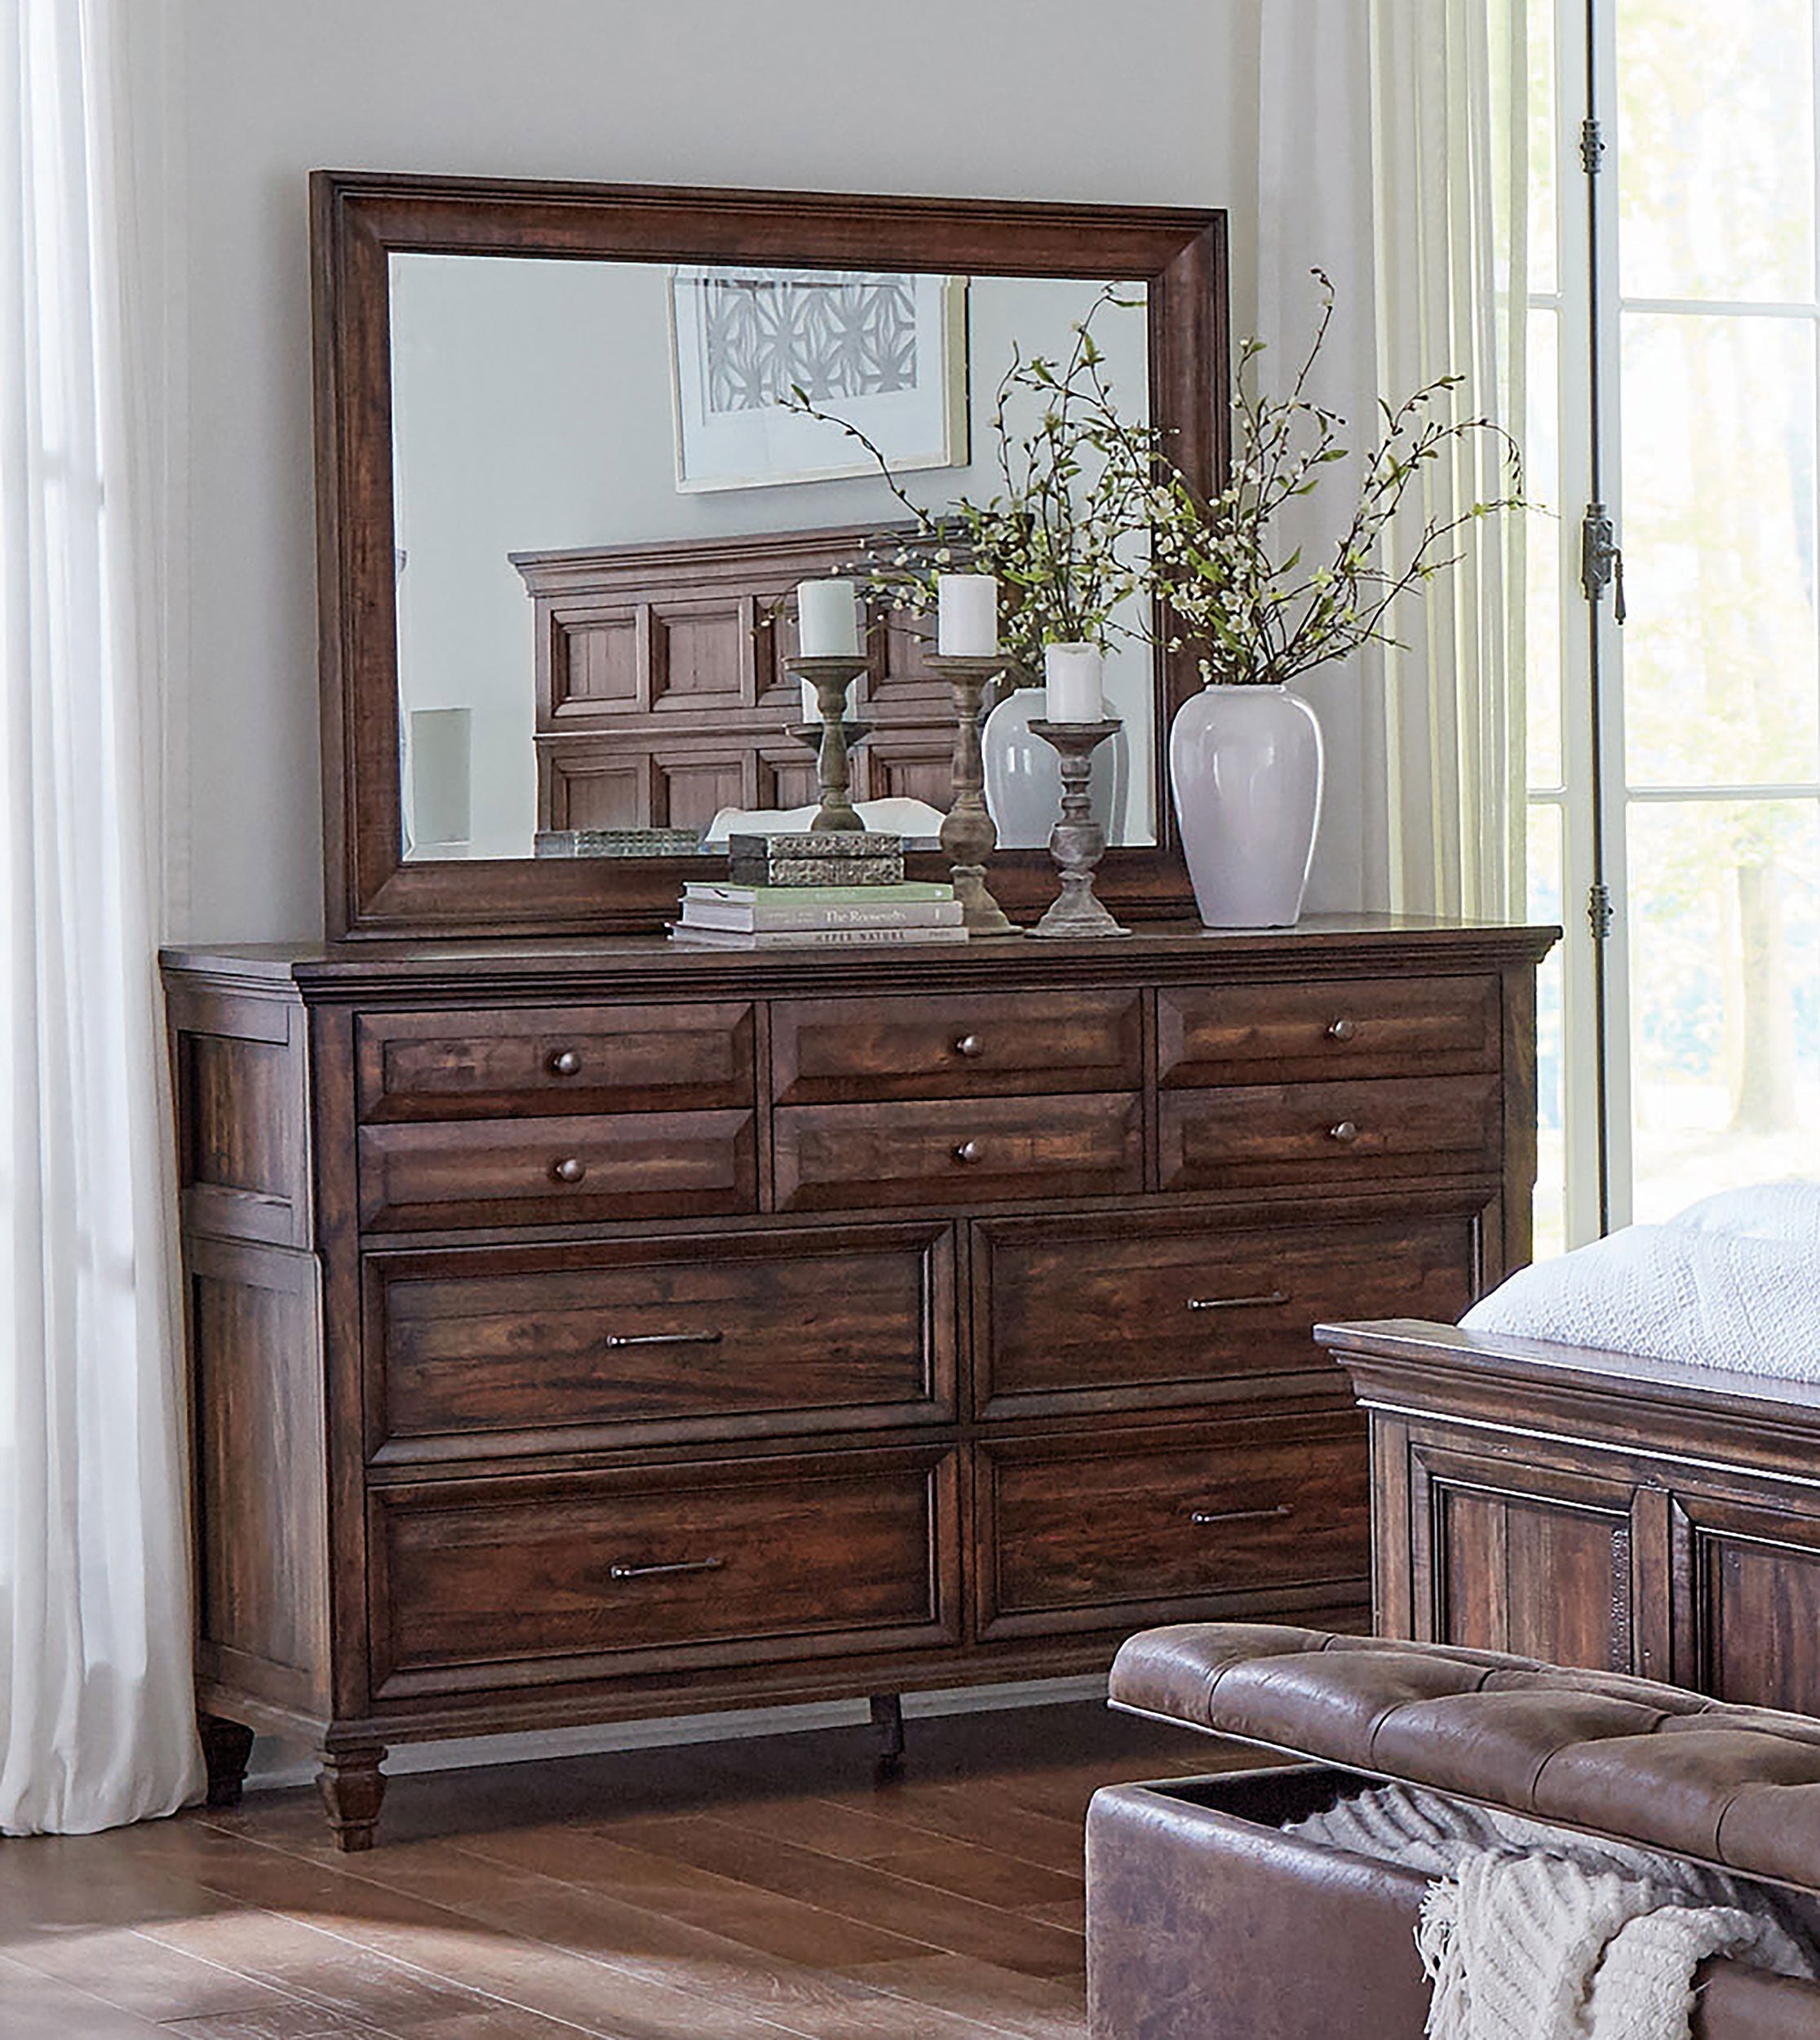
1205 1923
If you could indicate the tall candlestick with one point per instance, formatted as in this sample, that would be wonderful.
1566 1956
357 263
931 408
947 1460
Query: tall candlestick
827 620
967 615
1073 675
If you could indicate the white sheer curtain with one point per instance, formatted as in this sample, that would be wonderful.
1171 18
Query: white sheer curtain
96 1724
1450 185
1392 155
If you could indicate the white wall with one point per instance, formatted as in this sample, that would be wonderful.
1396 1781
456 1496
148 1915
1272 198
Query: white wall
1151 102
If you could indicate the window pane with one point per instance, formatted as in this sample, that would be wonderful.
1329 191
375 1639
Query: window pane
1551 1066
1542 485
1719 659
1542 257
1716 149
1724 954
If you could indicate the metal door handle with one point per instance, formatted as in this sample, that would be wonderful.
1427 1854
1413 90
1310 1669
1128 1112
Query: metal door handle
1237 1303
615 1340
673 1565
1202 1517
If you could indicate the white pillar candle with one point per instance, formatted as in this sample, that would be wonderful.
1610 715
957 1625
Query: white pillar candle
827 619
967 615
811 708
1072 675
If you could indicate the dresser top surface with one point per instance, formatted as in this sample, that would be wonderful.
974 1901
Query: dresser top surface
1318 943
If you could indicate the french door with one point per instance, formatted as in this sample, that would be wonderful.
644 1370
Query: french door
1673 696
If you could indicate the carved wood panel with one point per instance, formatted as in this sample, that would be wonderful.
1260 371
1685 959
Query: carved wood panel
662 693
1487 1532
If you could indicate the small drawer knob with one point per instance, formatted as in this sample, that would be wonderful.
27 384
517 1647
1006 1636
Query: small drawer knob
1342 1030
565 1062
969 1045
969 1151
570 1170
1345 1132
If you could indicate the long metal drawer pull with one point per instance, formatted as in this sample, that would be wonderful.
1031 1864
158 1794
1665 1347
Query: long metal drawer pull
1202 1517
675 1565
1237 1303
615 1340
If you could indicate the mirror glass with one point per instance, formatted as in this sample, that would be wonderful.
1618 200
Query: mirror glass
601 509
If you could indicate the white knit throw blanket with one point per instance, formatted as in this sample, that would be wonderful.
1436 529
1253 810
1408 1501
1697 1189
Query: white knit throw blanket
1533 1933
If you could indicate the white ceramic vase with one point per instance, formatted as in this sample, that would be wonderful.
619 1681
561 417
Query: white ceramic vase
1023 774
1245 767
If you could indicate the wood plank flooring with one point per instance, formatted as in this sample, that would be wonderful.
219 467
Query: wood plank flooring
768 1890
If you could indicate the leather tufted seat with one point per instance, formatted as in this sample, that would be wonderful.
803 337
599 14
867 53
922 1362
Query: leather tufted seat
1736 1786
1206 1922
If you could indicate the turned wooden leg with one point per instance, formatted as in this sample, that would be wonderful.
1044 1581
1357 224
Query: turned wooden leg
226 1747
888 1733
352 1786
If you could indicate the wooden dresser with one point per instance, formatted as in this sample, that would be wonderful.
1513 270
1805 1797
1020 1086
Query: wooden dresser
1594 1508
581 1329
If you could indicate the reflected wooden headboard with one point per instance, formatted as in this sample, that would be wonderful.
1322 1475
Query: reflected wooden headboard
662 695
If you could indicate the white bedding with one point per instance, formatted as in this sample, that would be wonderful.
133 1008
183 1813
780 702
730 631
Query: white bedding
1732 1282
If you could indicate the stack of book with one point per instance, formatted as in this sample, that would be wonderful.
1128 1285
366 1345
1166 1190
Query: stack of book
715 916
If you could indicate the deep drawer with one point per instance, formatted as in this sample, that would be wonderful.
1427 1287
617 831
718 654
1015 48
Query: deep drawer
978 1150
1337 1133
1364 1028
552 1059
626 1165
548 1579
485 1349
1092 1532
1142 1311
955 1045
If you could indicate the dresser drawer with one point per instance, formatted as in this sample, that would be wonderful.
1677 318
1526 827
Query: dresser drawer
557 1059
1370 1027
1138 1311
1094 1531
954 1045
498 1350
625 1165
1329 1133
551 1579
978 1150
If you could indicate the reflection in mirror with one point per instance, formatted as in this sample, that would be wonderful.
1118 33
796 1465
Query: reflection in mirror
601 508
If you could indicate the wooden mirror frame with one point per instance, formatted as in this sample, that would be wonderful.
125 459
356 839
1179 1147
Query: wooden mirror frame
358 220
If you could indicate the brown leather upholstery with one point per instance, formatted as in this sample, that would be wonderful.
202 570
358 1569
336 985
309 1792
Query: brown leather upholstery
1735 1786
1206 1922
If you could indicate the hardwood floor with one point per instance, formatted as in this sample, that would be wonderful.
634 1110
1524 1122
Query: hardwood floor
747 1890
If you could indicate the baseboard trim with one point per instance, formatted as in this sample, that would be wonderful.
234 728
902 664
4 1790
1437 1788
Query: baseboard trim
277 1766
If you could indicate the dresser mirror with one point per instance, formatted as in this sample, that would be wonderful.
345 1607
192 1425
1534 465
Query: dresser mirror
562 512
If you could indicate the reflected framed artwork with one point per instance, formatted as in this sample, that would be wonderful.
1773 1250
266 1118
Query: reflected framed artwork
885 351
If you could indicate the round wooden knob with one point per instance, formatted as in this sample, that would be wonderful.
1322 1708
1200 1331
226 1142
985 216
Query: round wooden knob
1346 1132
570 1170
969 1151
565 1062
969 1045
1342 1030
